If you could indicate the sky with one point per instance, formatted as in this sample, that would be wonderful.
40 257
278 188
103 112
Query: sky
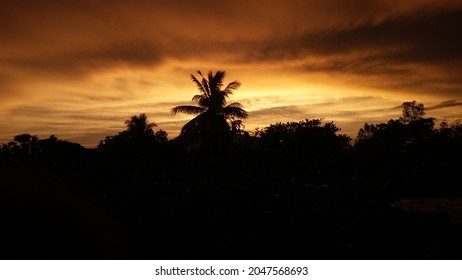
79 69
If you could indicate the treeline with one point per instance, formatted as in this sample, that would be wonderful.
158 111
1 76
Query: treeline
408 156
411 143
290 190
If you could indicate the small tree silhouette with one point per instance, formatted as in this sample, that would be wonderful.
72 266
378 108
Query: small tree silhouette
412 111
138 138
139 128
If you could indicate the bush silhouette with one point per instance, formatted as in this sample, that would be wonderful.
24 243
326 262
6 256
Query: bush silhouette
310 138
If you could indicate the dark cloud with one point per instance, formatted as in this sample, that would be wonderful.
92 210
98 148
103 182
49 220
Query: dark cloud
452 116
413 51
102 98
445 104
441 105
97 114
130 53
324 110
358 37
367 66
404 38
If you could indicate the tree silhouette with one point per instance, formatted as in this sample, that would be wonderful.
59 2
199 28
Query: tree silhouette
397 136
140 131
138 127
412 111
307 137
138 139
27 142
213 110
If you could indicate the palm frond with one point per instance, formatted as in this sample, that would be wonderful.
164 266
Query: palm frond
235 110
210 77
232 86
188 109
198 84
151 125
229 90
216 81
205 84
197 97
201 100
235 105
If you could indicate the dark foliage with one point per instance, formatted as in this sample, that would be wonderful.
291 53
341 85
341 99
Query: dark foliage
306 139
411 155
138 140
295 190
28 148
412 111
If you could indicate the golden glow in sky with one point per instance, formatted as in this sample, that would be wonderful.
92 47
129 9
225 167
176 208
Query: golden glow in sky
79 69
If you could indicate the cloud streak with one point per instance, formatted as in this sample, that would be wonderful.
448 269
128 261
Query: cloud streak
445 104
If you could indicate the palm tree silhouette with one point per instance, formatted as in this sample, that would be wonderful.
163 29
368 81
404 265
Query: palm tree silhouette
138 127
213 109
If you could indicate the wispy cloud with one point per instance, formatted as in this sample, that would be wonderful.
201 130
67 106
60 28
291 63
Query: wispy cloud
445 104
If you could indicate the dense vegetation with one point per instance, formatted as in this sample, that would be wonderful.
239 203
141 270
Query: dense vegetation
292 190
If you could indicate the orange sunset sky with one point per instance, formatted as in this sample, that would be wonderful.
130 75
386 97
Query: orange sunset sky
79 69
